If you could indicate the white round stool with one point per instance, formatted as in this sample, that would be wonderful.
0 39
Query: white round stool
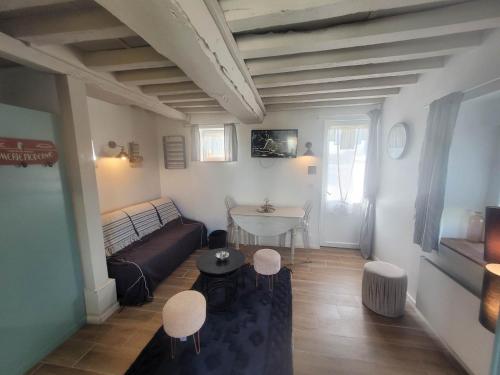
183 316
384 288
266 262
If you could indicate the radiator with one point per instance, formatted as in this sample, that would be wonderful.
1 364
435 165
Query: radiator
452 312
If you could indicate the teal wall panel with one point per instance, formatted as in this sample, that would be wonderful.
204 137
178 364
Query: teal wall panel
41 301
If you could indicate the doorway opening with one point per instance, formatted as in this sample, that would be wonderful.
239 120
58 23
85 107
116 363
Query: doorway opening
345 147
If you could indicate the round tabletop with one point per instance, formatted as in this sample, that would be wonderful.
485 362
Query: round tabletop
210 265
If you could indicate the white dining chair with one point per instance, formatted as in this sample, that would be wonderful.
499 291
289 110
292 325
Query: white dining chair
245 238
304 224
302 228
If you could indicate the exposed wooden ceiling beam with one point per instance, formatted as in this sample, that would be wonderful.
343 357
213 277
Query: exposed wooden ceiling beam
349 73
379 53
345 95
65 28
59 59
195 97
215 10
152 76
186 33
466 17
125 59
212 103
203 110
358 84
324 104
10 5
171 89
256 15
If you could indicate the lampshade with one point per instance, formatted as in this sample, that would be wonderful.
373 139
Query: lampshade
492 235
490 297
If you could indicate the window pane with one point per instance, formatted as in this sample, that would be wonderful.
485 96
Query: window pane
346 163
212 144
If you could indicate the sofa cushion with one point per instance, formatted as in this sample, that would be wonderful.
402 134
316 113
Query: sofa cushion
118 231
144 218
166 210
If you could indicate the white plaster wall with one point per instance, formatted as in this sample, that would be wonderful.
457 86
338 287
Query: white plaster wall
473 166
395 205
119 183
200 189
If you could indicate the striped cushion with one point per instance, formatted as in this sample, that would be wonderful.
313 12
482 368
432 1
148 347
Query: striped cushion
166 209
118 231
144 218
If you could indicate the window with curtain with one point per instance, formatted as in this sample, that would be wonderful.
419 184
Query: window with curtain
214 143
347 147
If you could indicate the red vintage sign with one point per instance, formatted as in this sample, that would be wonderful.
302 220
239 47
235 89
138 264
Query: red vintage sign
24 152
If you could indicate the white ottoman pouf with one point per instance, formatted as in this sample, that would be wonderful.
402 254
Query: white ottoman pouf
266 262
384 288
183 316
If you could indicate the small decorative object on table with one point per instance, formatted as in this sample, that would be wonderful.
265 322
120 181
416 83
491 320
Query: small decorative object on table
266 207
222 255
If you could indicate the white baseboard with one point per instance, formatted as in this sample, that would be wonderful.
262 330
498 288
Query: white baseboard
413 302
99 319
101 302
342 245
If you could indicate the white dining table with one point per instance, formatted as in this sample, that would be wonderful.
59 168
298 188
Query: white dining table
282 220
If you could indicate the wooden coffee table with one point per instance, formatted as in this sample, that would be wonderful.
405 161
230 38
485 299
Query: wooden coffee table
217 276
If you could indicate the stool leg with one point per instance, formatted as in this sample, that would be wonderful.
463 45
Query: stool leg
172 347
197 347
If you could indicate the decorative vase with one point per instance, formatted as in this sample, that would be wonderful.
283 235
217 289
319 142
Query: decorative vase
475 228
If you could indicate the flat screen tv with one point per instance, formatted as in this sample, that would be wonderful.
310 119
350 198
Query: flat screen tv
279 143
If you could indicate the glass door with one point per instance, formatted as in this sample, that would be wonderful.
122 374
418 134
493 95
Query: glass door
345 151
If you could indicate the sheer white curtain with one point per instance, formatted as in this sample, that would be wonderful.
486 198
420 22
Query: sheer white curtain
432 170
214 143
230 142
370 187
347 146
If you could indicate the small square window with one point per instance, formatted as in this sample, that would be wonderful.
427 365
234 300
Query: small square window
212 144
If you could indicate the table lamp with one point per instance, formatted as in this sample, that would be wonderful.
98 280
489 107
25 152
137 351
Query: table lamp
490 297
490 294
492 235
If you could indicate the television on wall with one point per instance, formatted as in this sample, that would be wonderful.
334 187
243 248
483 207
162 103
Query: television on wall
278 143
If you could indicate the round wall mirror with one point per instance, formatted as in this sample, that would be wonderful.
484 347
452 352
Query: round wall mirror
396 140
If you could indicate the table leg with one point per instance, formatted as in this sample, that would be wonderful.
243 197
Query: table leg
237 241
292 243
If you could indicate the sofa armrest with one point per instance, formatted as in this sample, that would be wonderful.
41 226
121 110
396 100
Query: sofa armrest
188 221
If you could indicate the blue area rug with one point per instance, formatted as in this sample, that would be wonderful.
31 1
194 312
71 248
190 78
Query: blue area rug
254 337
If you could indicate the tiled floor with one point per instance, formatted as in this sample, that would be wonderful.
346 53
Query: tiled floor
333 332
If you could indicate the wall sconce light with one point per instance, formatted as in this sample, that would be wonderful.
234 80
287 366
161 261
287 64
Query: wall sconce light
122 154
309 151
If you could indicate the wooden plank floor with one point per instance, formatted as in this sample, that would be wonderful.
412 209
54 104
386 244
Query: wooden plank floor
332 332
